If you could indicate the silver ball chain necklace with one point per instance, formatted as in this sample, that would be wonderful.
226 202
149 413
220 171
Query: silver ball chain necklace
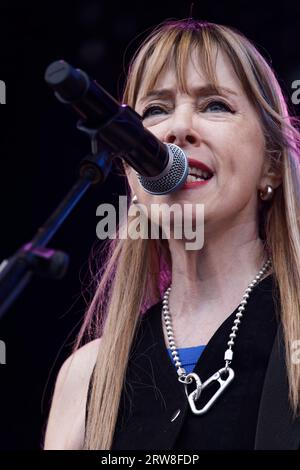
187 379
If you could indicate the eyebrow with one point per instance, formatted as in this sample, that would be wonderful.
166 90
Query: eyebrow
206 90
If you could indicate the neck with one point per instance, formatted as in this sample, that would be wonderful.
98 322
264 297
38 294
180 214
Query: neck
214 278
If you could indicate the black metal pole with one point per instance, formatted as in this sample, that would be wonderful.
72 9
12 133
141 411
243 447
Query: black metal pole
17 270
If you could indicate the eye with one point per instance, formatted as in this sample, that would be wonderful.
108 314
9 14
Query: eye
153 111
214 106
219 106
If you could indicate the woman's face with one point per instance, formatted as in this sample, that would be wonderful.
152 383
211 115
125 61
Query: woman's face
221 131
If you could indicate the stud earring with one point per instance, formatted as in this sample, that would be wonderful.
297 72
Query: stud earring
267 193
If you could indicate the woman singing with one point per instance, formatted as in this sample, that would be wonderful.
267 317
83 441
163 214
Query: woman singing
197 349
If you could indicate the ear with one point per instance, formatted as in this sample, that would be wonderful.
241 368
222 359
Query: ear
270 176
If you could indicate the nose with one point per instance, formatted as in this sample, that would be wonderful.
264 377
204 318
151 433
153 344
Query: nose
181 131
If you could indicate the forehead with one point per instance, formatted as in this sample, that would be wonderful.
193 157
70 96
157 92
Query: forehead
195 75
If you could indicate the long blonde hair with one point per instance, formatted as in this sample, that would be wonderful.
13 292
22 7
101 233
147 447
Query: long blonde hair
134 273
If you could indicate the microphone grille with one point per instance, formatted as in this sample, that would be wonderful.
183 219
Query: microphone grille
173 176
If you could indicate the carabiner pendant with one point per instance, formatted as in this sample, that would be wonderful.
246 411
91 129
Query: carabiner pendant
195 394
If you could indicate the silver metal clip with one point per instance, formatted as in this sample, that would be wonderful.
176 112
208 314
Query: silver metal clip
195 394
197 391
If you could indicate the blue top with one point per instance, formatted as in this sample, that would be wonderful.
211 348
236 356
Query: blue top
188 357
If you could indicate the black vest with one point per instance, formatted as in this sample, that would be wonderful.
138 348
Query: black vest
252 413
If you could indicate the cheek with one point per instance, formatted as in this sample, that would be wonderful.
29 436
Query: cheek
241 150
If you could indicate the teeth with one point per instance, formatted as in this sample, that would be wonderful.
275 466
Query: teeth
199 172
191 178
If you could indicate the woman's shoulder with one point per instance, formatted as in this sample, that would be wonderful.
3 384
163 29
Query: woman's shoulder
66 423
83 359
78 367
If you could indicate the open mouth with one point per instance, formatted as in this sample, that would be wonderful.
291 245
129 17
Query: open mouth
197 174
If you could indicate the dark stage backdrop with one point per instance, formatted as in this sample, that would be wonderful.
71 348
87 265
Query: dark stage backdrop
40 149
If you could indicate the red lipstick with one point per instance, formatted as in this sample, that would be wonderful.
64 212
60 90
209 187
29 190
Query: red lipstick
197 164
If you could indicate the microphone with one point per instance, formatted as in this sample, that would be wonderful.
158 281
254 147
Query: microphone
161 168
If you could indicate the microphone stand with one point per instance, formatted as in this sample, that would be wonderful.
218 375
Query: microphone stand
35 257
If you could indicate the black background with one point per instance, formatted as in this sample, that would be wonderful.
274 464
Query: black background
40 150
